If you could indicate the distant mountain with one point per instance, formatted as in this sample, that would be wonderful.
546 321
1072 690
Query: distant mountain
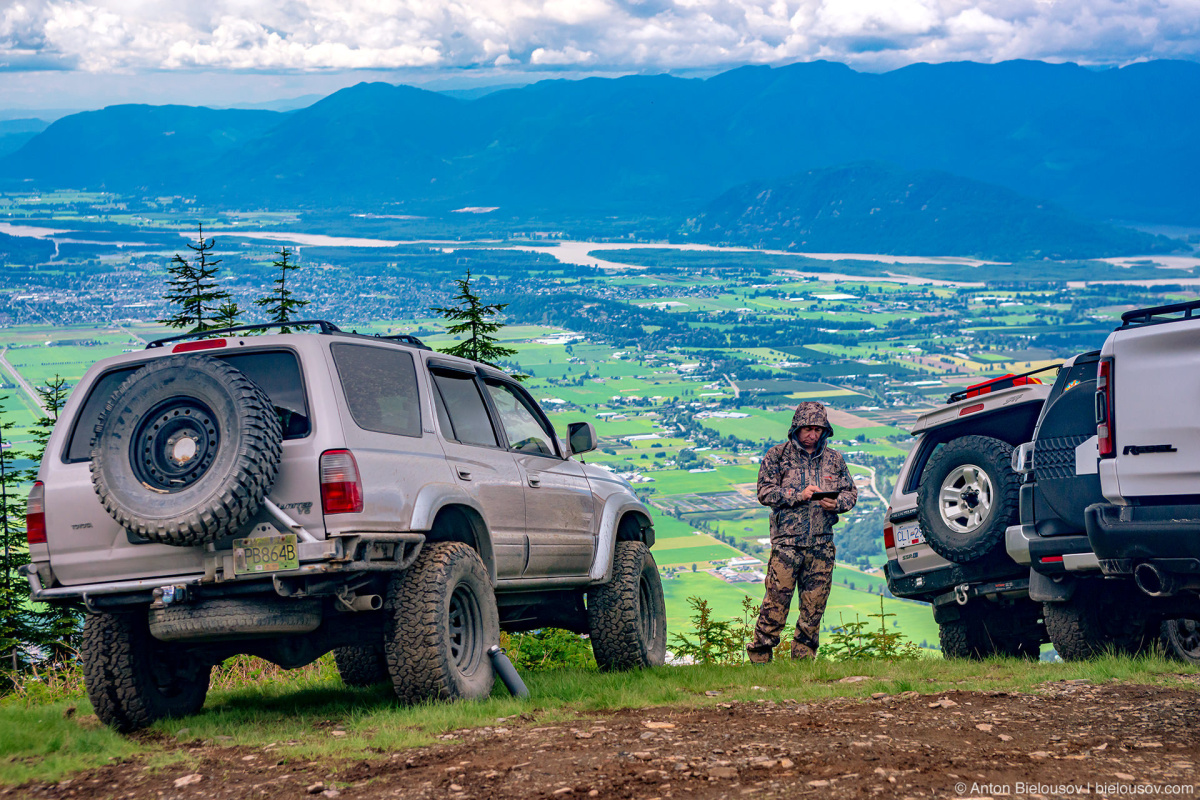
879 208
1113 144
14 133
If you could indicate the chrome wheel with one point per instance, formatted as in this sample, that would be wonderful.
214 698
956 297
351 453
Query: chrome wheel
965 498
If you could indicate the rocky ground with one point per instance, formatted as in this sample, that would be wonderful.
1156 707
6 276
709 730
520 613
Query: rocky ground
1068 738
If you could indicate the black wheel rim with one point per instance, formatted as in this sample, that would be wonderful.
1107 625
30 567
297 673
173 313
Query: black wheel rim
174 444
463 632
1186 633
646 620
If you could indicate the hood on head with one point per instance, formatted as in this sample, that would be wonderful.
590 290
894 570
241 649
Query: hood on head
810 412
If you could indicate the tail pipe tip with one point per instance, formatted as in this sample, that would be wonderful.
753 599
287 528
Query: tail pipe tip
1154 581
507 672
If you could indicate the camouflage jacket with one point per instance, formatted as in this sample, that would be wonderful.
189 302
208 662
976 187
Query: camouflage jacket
788 468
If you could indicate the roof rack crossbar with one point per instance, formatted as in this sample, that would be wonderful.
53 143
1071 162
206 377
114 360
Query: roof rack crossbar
1149 316
326 328
963 394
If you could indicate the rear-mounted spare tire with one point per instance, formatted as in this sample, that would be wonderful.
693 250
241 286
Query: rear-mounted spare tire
968 497
185 450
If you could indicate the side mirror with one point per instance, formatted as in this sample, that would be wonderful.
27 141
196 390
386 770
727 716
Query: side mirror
581 436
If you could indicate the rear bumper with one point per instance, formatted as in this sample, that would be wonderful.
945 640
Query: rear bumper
1124 536
348 555
935 585
1050 555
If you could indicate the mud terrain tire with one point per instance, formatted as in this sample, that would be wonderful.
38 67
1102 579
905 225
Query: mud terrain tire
1181 640
132 680
361 665
216 620
443 618
1098 619
627 616
968 497
185 450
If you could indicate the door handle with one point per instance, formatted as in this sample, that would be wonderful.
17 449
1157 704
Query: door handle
535 482
464 473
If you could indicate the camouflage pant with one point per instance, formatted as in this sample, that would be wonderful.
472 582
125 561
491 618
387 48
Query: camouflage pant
810 568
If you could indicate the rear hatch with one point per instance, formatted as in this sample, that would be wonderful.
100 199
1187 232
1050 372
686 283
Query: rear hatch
87 545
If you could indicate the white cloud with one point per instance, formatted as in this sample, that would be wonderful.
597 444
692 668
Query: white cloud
102 36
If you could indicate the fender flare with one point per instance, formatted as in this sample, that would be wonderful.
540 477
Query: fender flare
615 510
435 498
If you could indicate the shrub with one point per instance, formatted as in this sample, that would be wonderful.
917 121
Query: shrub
548 649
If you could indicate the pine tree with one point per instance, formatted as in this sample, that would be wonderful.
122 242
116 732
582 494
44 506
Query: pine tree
192 289
17 628
473 317
282 305
226 316
56 626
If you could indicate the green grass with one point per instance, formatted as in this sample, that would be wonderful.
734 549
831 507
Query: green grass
39 742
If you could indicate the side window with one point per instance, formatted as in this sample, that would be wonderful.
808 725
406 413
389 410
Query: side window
468 417
381 388
521 424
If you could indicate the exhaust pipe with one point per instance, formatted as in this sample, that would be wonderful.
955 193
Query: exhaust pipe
365 602
1153 581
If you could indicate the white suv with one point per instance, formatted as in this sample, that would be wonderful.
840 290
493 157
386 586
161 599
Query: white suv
1148 428
290 494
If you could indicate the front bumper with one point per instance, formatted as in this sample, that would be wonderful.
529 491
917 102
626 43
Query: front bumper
1124 536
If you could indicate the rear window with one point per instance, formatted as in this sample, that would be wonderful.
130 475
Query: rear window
381 388
277 372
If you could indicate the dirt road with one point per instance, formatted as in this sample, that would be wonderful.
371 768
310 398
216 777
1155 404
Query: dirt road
1069 737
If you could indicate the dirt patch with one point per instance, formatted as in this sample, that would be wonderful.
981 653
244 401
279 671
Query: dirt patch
844 419
1072 734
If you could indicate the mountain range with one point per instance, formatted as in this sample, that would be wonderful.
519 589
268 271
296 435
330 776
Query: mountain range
879 208
1117 144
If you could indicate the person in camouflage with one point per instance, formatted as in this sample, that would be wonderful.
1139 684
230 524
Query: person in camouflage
801 530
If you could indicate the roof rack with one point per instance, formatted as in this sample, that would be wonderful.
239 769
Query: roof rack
1002 382
407 338
1151 316
326 328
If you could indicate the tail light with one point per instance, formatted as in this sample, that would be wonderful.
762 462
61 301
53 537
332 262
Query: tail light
35 514
889 531
1105 423
341 488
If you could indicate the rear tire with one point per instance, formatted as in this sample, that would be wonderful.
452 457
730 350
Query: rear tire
627 616
1099 618
443 620
1181 640
968 497
133 680
984 631
361 665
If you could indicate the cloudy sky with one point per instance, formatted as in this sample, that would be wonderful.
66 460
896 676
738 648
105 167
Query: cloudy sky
81 53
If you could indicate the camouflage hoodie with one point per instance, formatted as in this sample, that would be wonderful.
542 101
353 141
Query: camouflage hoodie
787 469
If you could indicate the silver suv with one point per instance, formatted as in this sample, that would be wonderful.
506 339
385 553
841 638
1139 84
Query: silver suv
289 494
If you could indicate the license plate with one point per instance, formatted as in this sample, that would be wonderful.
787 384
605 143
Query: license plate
908 535
265 554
